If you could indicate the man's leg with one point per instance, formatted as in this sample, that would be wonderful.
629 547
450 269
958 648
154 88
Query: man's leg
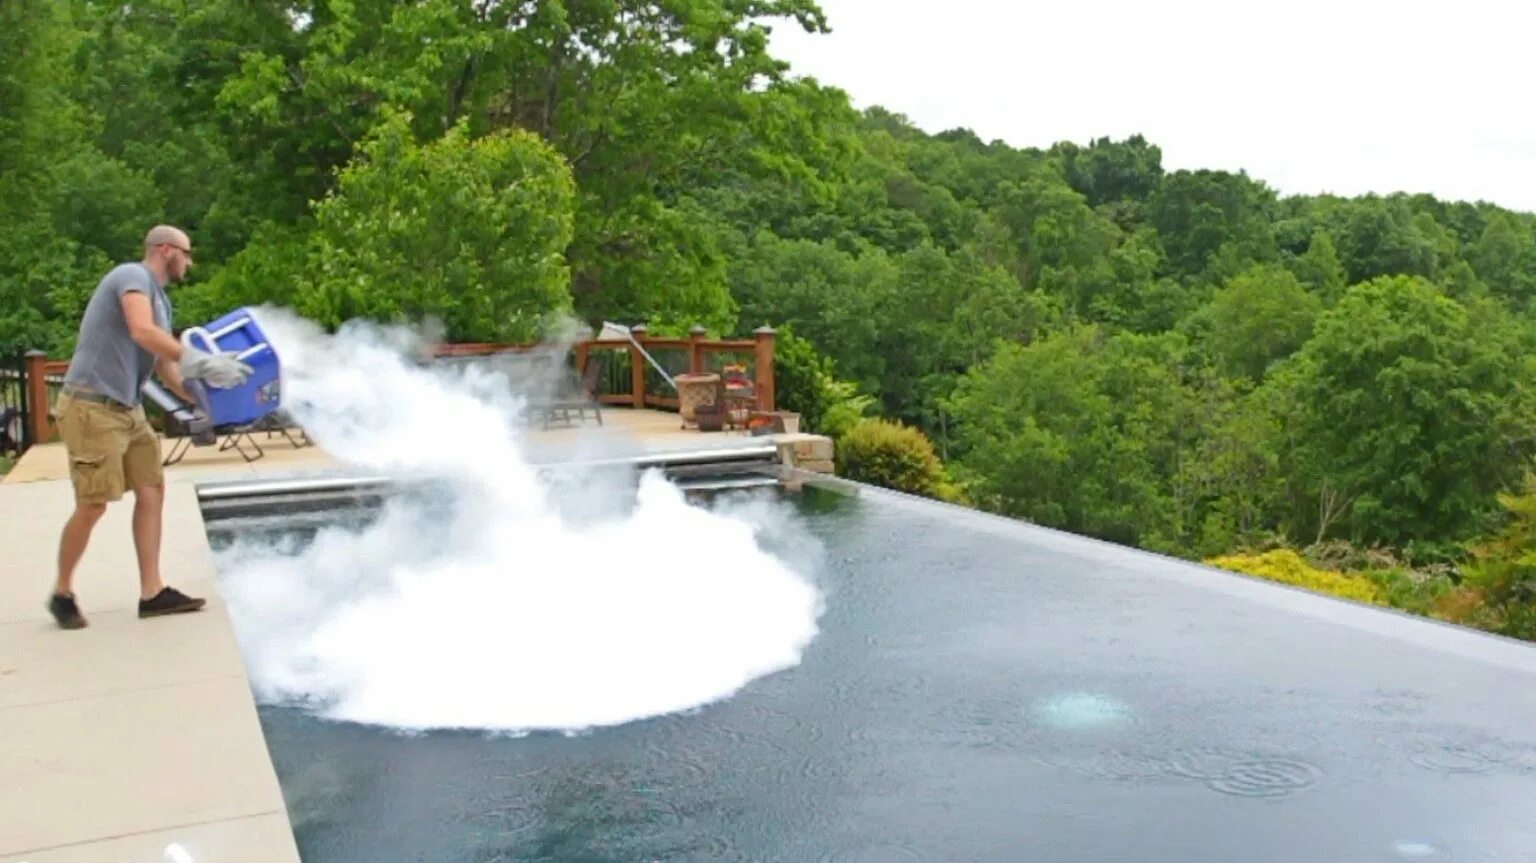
76 536
148 515
95 470
146 476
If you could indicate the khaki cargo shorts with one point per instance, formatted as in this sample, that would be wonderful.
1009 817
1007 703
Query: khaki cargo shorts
111 448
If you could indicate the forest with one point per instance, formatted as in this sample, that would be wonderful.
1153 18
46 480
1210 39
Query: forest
1332 392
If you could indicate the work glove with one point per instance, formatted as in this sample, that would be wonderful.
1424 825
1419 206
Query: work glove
219 370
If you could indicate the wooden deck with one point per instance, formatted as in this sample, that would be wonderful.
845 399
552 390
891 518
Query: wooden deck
624 431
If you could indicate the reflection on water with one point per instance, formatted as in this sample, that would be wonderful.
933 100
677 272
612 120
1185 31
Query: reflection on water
1069 710
979 695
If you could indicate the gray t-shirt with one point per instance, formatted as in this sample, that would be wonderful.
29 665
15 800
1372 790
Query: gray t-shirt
106 359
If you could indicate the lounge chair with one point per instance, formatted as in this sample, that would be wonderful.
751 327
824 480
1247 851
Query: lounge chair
188 428
577 395
548 395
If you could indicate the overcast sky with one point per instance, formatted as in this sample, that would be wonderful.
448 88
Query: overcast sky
1309 96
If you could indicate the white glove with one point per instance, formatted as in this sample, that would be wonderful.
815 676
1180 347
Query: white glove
219 370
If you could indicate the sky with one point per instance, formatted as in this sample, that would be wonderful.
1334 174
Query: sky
1343 97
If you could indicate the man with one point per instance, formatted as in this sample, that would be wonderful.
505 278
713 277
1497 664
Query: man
125 334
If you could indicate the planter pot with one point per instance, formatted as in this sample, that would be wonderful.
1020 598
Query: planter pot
695 390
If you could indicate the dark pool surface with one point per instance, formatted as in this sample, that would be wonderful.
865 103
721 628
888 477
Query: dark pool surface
983 691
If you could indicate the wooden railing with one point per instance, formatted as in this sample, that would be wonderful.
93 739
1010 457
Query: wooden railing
42 378
629 379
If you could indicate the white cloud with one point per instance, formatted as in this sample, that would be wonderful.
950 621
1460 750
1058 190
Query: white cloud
1309 96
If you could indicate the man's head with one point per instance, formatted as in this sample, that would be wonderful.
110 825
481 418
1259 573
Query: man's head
168 252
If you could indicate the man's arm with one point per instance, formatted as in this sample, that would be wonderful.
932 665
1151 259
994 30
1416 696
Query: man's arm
170 373
145 333
220 370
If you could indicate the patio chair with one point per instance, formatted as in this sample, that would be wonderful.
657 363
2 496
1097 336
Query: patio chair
188 428
573 395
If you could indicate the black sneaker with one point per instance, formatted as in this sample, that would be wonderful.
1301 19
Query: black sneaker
169 601
66 612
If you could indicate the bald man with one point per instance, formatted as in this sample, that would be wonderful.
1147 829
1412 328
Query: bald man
125 335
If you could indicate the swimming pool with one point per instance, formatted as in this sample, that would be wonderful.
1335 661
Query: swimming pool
982 690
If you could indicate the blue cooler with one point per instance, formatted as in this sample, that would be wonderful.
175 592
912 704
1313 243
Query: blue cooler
261 394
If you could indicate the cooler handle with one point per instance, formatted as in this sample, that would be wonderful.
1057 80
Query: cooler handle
252 351
212 347
209 345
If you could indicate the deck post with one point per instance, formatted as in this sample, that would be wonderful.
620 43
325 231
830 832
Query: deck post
763 372
37 398
637 367
695 350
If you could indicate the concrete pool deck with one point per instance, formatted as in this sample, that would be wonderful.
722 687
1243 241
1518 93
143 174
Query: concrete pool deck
122 738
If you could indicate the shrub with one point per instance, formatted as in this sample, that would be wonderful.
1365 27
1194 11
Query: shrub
889 454
806 382
1413 590
1287 567
1501 570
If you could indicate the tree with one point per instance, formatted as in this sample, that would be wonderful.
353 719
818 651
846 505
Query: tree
1198 213
1080 430
472 232
828 296
67 209
1400 415
1107 170
1378 237
1504 257
1320 269
1502 568
1258 318
807 383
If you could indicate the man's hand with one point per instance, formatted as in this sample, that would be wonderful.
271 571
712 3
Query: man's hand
170 375
220 370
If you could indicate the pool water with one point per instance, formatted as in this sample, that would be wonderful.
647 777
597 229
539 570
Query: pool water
984 690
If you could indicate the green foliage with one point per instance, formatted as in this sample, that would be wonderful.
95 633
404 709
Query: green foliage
1082 430
1502 571
1399 415
62 201
822 292
1504 258
1381 236
1320 269
1107 171
1286 567
468 231
806 382
1211 219
1258 318
1413 591
889 454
